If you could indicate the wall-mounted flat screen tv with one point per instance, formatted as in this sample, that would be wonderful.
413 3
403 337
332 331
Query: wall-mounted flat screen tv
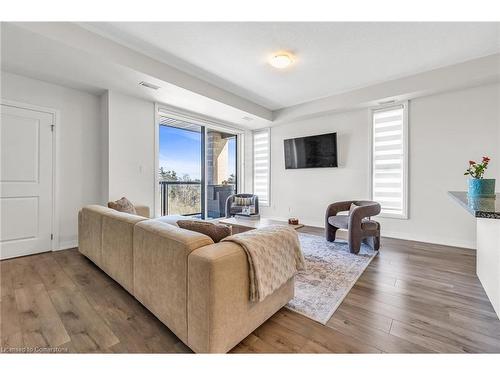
317 151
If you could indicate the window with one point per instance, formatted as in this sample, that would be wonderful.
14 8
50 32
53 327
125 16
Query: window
390 160
261 165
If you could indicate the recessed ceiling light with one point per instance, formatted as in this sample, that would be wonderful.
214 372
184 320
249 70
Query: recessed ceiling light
281 60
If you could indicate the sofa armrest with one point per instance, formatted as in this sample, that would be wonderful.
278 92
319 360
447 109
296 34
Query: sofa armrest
220 313
143 211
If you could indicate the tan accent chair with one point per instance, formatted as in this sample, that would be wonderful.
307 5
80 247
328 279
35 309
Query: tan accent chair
198 289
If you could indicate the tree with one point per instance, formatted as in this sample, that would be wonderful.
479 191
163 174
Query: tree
168 175
230 181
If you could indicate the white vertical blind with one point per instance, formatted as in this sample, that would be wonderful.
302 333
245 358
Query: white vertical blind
261 165
389 160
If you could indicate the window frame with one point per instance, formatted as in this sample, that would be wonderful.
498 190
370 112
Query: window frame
254 132
405 188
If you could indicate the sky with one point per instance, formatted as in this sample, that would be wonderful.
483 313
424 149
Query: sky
180 150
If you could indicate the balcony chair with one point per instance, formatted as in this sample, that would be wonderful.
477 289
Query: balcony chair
232 208
360 227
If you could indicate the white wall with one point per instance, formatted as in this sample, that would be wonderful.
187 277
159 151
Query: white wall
446 131
79 145
498 138
131 153
305 193
104 146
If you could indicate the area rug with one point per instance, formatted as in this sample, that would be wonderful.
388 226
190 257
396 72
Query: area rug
331 272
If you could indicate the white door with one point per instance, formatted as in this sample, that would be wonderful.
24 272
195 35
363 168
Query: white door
25 181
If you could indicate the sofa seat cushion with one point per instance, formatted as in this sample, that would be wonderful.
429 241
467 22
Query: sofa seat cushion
239 209
342 222
172 219
215 231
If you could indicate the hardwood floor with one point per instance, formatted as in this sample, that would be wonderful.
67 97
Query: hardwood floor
413 298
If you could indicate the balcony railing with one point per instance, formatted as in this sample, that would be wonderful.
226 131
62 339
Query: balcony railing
180 198
184 198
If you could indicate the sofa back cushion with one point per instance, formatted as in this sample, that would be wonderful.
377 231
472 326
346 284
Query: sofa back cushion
90 232
117 247
105 237
215 231
160 270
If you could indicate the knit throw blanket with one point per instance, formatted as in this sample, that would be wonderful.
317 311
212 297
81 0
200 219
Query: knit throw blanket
274 256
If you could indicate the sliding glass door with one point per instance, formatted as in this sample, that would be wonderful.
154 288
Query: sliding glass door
197 169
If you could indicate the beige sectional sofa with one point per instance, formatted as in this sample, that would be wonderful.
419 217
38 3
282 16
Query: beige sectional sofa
198 289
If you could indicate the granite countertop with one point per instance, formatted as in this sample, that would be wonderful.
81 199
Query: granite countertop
488 208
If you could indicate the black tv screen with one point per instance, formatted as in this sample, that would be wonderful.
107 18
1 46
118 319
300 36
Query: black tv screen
317 151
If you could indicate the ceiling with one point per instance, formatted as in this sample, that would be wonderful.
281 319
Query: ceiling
68 55
331 58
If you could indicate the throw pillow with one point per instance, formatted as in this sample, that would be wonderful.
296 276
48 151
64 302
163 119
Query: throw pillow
123 205
215 231
240 201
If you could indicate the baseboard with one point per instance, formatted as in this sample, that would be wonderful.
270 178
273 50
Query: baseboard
64 245
438 240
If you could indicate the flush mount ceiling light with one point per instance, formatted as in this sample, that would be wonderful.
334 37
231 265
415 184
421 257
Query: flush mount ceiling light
281 60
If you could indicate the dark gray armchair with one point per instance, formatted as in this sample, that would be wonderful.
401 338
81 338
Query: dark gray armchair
232 208
359 226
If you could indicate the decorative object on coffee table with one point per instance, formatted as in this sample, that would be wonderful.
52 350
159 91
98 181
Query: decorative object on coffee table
478 186
358 223
293 221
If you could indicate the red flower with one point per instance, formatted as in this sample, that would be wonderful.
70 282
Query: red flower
472 162
486 159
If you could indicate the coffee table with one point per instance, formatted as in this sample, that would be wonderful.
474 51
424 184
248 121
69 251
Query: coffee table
243 225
